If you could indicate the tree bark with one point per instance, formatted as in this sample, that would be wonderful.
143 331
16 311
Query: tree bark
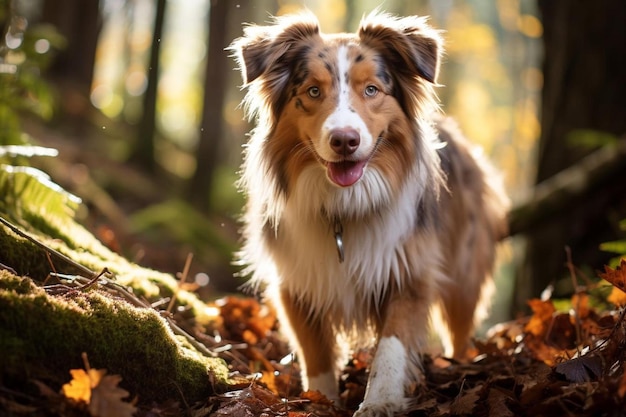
143 152
213 126
584 71
79 21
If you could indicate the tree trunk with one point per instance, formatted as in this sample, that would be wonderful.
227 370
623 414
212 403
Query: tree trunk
584 88
212 132
79 21
143 152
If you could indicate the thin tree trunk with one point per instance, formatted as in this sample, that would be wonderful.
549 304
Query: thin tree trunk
212 130
143 152
79 21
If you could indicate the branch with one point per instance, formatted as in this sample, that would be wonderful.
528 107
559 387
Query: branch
563 190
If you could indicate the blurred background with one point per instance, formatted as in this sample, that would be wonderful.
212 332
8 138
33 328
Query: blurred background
141 100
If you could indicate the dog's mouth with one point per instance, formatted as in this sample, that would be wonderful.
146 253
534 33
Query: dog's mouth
345 173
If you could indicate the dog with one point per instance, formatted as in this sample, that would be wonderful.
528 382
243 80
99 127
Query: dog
366 208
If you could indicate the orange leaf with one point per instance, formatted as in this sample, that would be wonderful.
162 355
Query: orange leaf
617 297
269 379
316 397
100 391
580 302
79 388
541 318
616 276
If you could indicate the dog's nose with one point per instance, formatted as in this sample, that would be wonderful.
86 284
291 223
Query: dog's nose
344 141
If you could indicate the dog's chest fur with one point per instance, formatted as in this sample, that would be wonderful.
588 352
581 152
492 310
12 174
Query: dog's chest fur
374 242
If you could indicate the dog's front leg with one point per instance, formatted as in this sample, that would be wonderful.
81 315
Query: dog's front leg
316 346
396 362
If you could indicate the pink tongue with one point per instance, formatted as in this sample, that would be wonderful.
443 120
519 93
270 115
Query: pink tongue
345 173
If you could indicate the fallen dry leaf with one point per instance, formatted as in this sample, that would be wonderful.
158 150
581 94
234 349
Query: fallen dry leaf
617 297
498 404
79 388
542 316
616 276
107 399
581 369
465 402
100 392
621 391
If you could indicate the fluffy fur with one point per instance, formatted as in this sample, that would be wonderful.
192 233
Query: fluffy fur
348 146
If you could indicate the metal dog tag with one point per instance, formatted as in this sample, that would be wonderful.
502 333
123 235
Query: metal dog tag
339 240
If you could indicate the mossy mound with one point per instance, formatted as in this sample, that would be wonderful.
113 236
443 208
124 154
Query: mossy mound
44 330
43 336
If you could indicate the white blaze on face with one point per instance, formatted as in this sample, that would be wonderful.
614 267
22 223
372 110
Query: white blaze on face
344 171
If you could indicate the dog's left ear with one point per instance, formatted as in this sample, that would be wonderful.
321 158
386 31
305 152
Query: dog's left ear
409 43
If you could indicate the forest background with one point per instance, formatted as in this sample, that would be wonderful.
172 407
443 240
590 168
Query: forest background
141 101
123 116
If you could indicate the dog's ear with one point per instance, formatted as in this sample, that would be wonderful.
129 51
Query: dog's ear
409 43
265 49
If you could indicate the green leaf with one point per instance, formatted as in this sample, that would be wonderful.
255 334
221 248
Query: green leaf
617 246
27 151
30 192
588 138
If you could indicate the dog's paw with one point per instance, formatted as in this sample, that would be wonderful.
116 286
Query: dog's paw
381 409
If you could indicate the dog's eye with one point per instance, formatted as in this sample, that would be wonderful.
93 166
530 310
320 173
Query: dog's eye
313 92
371 90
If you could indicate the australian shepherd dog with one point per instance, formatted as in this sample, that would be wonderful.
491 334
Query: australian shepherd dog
366 209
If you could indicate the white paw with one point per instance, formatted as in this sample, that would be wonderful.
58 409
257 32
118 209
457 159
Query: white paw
384 395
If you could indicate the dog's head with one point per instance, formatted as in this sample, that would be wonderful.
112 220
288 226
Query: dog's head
343 101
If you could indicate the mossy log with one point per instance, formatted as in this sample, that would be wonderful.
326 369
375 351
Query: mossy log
43 333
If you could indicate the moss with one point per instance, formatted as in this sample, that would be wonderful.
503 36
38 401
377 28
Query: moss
22 255
30 260
42 334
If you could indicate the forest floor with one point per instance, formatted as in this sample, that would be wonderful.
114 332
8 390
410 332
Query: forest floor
567 358
551 363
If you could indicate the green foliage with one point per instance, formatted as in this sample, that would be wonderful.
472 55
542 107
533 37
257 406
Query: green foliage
617 246
30 196
28 191
590 139
24 53
186 225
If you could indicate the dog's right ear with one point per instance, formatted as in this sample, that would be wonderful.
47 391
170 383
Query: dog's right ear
268 49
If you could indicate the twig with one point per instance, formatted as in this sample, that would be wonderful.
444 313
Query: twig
86 361
8 268
56 289
183 278
84 270
570 266
54 270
